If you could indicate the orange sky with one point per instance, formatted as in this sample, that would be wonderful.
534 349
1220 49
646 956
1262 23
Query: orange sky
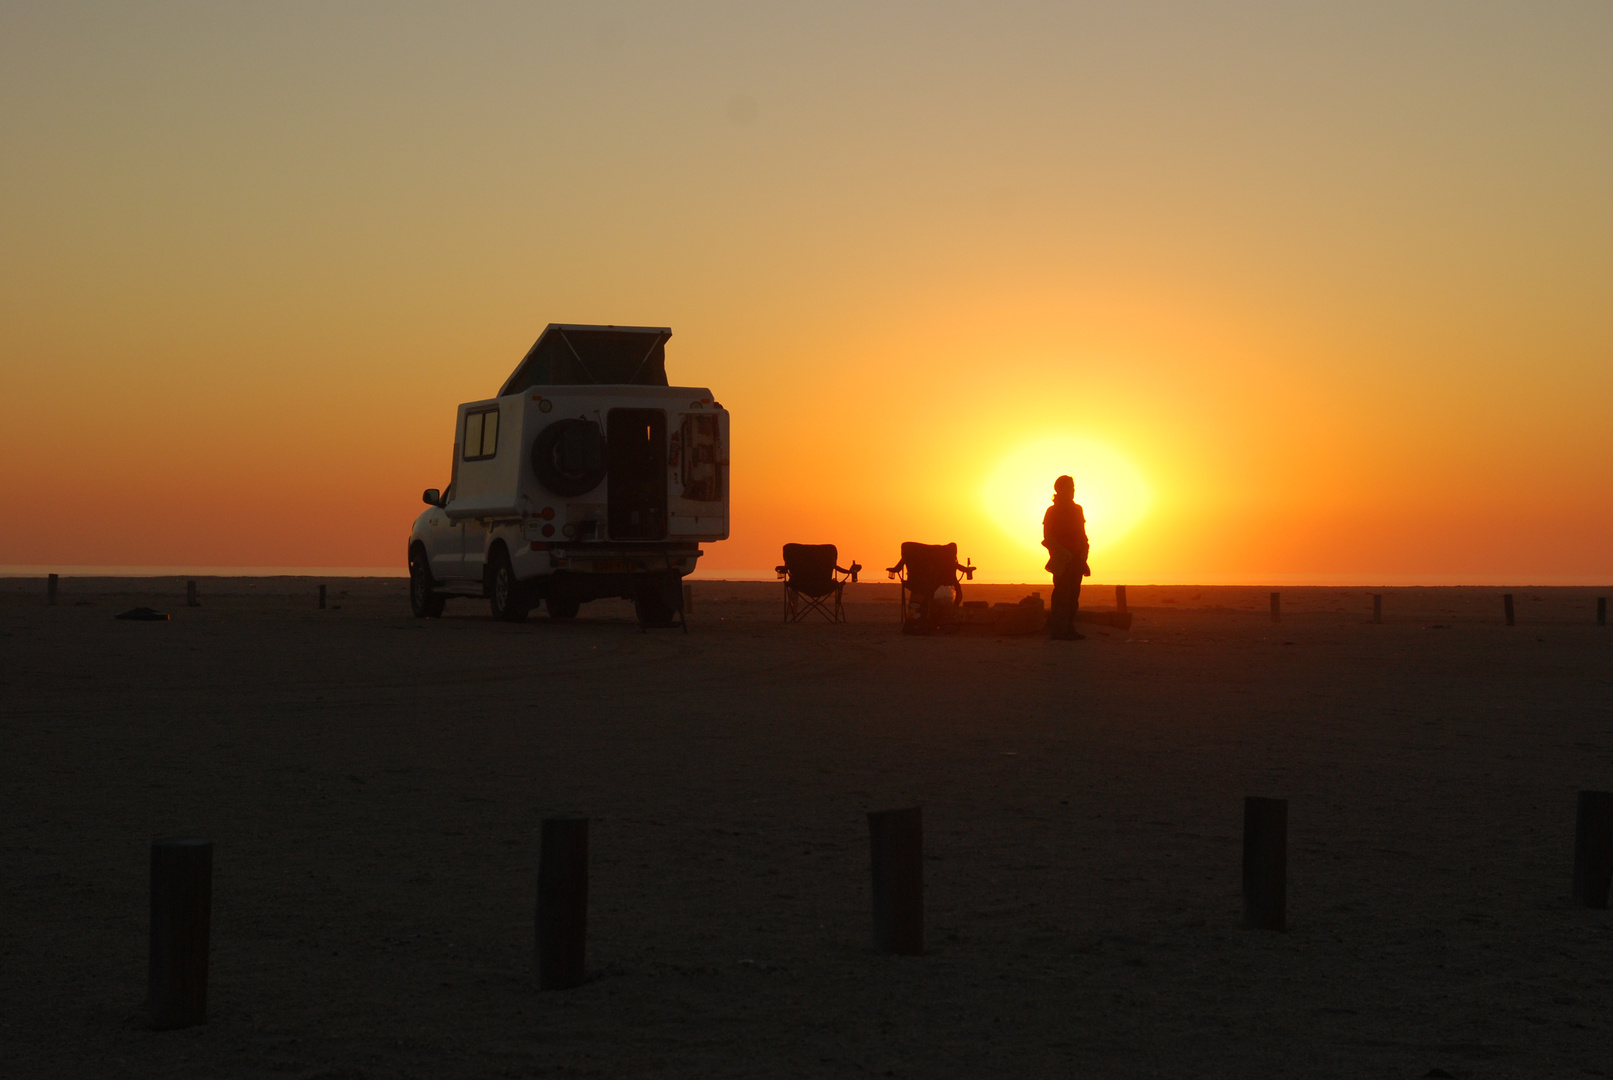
1313 295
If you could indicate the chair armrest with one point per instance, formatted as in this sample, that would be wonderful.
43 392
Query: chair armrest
782 571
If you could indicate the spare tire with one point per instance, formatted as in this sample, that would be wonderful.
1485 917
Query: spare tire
568 457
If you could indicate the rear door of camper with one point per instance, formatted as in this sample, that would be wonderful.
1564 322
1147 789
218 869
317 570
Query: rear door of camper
636 497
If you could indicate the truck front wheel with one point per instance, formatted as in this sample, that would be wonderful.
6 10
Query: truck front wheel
424 601
503 590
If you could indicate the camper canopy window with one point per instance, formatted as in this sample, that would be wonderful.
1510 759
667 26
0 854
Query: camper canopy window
481 434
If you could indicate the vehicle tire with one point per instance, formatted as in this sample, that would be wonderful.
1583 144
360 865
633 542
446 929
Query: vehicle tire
563 608
652 611
424 601
503 591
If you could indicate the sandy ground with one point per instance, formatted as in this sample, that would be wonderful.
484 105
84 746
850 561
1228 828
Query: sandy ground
374 786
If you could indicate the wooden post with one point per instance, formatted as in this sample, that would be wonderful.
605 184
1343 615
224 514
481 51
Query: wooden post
50 589
1377 607
562 918
1593 848
1265 863
1120 598
688 599
322 596
896 839
181 917
1276 607
1601 611
190 594
1506 604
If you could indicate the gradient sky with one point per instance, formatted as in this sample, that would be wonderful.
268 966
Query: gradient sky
1297 291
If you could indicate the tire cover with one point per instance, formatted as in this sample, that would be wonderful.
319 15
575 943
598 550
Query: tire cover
568 457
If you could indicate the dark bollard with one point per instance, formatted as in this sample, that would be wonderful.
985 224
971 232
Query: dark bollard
50 589
1377 607
322 596
1593 848
181 916
562 921
1265 864
897 842
1506 604
1276 607
1120 598
190 594
1601 611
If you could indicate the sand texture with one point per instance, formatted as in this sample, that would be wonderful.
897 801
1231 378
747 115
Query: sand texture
374 786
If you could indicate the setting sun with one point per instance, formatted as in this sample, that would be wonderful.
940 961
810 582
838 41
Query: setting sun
1112 491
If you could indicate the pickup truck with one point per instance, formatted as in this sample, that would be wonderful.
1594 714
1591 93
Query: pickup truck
586 476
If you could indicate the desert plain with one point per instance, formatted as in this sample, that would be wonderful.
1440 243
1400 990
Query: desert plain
374 785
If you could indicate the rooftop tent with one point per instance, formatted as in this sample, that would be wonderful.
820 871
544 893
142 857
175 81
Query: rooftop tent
571 355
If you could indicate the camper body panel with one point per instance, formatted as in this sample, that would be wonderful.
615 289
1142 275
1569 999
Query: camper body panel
662 489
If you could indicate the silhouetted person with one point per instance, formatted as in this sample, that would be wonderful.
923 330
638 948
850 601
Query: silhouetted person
1064 534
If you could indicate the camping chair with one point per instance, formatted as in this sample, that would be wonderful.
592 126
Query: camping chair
923 569
813 581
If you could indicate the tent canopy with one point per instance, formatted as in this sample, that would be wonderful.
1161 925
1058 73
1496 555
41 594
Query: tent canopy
568 354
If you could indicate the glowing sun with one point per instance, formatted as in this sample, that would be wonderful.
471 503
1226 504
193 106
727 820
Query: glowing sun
1111 490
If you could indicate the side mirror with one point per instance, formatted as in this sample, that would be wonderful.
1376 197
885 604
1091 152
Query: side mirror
432 497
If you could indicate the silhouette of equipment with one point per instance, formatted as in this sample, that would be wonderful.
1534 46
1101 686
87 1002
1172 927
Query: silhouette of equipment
922 570
814 581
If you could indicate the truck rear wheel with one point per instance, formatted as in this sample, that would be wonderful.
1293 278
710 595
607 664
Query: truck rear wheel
503 591
424 601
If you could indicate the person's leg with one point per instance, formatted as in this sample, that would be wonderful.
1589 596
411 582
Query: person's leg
1061 618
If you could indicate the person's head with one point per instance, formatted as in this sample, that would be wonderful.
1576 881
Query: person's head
1064 487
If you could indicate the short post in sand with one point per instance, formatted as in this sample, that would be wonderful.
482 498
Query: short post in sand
688 599
190 594
562 918
1265 863
1120 599
1506 606
896 840
1276 607
1601 611
322 597
50 589
181 918
1593 848
1377 607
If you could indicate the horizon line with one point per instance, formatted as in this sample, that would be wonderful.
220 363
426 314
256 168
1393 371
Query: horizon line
22 571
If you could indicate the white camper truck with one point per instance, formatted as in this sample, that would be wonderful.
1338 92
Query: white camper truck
587 476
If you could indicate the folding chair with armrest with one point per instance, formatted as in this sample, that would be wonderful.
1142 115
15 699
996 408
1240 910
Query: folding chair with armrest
814 581
922 569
